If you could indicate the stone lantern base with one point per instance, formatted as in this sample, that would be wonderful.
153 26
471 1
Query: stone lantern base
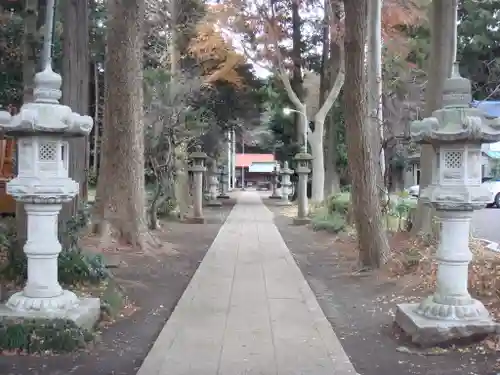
429 332
275 196
283 202
223 196
194 220
213 203
84 312
301 220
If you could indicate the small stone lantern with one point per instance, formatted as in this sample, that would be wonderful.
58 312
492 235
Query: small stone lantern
42 129
286 185
197 168
303 160
213 186
224 185
275 182
456 132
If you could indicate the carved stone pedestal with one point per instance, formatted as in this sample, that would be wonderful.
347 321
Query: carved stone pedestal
450 313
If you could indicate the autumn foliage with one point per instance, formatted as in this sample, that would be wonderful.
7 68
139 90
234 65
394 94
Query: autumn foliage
217 58
264 29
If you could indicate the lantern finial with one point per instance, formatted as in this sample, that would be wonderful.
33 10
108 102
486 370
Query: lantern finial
457 90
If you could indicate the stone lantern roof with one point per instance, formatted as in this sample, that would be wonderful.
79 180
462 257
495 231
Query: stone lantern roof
45 115
456 122
198 154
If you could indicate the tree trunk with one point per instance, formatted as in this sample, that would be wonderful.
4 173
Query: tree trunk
443 35
75 94
373 244
120 201
330 64
318 163
179 184
297 81
174 43
332 178
97 103
29 70
374 69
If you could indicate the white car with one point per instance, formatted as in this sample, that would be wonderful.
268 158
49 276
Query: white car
493 185
413 190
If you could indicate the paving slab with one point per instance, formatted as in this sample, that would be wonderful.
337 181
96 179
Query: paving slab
247 310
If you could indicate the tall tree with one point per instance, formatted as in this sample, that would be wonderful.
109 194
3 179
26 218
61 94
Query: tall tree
297 62
479 46
443 39
121 194
330 64
266 27
29 70
373 244
75 92
374 70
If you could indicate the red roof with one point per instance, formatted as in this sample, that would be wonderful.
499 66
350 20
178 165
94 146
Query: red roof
246 160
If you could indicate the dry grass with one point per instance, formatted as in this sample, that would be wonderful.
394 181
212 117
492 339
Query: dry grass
417 259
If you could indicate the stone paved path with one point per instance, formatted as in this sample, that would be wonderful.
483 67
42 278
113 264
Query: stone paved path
248 310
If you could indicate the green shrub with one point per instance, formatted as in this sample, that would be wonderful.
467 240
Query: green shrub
401 208
345 188
167 207
74 266
16 265
328 222
113 299
338 203
41 335
92 179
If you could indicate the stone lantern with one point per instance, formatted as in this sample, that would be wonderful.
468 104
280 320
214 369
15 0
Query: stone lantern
42 129
275 182
456 132
303 160
286 185
213 186
224 183
197 168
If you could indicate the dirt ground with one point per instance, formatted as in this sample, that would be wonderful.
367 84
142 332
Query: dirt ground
154 284
361 307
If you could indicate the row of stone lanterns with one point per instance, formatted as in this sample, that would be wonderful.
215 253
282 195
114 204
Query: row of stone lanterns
303 160
218 182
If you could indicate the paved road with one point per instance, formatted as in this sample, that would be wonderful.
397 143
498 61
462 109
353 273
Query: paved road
486 224
248 310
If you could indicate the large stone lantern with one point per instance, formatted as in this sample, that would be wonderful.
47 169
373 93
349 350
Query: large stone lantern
275 181
197 169
213 186
42 129
224 182
286 185
303 169
456 132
